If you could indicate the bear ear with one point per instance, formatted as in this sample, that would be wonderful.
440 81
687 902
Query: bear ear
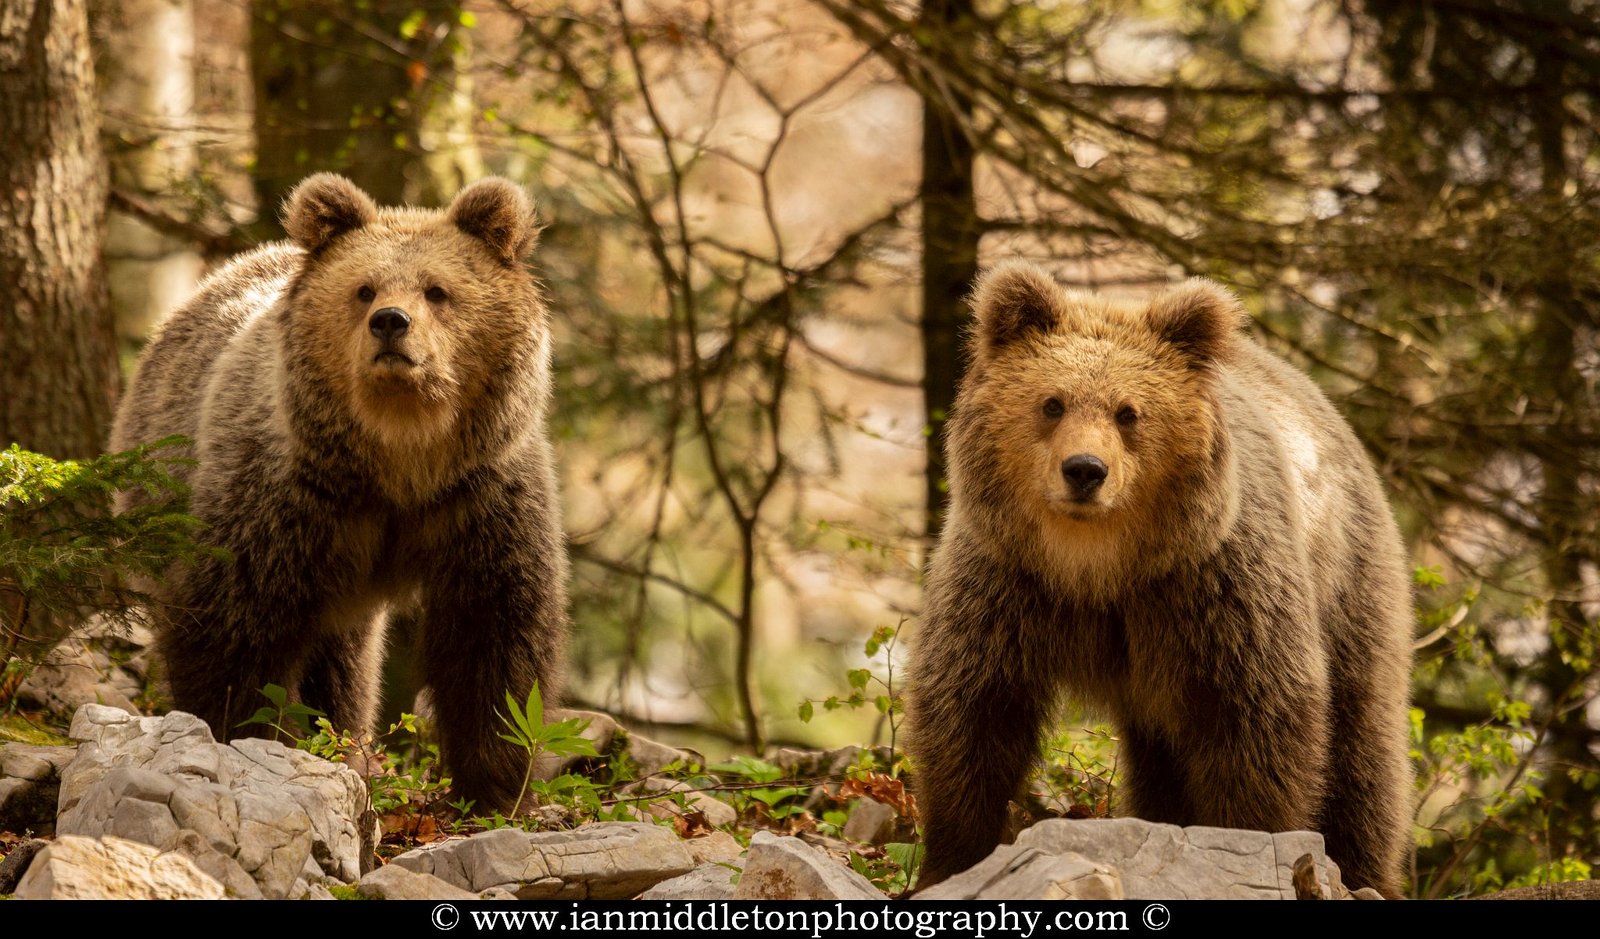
1200 318
1011 300
499 213
323 207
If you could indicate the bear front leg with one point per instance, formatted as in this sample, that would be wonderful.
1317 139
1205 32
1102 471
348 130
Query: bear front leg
221 644
343 674
1151 775
979 699
229 626
494 622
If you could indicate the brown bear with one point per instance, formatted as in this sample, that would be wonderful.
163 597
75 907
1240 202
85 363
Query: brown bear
1153 513
368 409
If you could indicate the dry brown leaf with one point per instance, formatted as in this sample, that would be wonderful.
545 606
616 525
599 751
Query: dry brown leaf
880 788
691 825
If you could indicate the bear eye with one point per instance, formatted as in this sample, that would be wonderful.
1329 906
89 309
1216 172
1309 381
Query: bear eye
436 294
1053 408
1127 416
366 294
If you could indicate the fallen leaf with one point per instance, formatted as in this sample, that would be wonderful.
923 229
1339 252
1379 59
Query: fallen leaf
691 825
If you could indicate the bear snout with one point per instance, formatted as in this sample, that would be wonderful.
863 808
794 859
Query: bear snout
389 325
1084 473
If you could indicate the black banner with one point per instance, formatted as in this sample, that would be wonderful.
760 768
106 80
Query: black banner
793 919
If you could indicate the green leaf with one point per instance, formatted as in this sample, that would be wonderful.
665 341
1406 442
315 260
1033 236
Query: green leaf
535 707
806 712
908 856
263 715
412 23
277 694
858 677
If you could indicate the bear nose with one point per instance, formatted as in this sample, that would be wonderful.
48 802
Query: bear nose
389 323
1084 473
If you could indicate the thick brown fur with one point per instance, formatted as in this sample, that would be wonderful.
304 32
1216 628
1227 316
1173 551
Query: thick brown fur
1234 594
345 483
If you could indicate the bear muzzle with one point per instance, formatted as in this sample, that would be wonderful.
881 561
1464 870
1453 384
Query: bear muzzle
1084 474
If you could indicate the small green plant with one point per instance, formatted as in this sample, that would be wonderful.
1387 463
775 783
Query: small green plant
893 869
526 728
1078 775
66 556
289 718
756 794
870 688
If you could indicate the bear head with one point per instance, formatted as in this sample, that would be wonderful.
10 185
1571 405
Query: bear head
1086 411
409 318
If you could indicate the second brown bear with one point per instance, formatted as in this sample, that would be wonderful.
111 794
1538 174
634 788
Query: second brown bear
1151 512
368 408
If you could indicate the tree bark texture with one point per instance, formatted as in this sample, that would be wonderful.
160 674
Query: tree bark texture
144 54
58 362
950 233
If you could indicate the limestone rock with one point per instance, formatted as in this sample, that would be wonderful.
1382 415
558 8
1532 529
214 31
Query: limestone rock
255 815
73 868
789 869
100 662
30 780
717 847
717 812
1165 862
652 756
870 821
601 861
397 883
1014 872
706 882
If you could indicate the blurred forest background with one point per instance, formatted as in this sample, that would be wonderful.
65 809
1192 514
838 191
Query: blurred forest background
764 217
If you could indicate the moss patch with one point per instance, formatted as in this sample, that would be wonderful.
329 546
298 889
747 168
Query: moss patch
19 729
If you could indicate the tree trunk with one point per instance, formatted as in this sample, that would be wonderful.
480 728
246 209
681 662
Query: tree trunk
145 59
58 363
950 233
372 91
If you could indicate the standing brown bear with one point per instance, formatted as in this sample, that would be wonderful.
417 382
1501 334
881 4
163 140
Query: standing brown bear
368 410
1152 512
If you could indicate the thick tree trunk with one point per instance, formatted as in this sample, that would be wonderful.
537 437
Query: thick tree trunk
373 92
145 60
58 363
950 233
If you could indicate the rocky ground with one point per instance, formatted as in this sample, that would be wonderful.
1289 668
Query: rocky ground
137 806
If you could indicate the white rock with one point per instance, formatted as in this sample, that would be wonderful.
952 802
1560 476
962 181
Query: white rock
789 869
30 781
870 821
1014 872
256 815
719 847
396 883
73 868
717 812
706 882
601 861
81 669
1165 862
